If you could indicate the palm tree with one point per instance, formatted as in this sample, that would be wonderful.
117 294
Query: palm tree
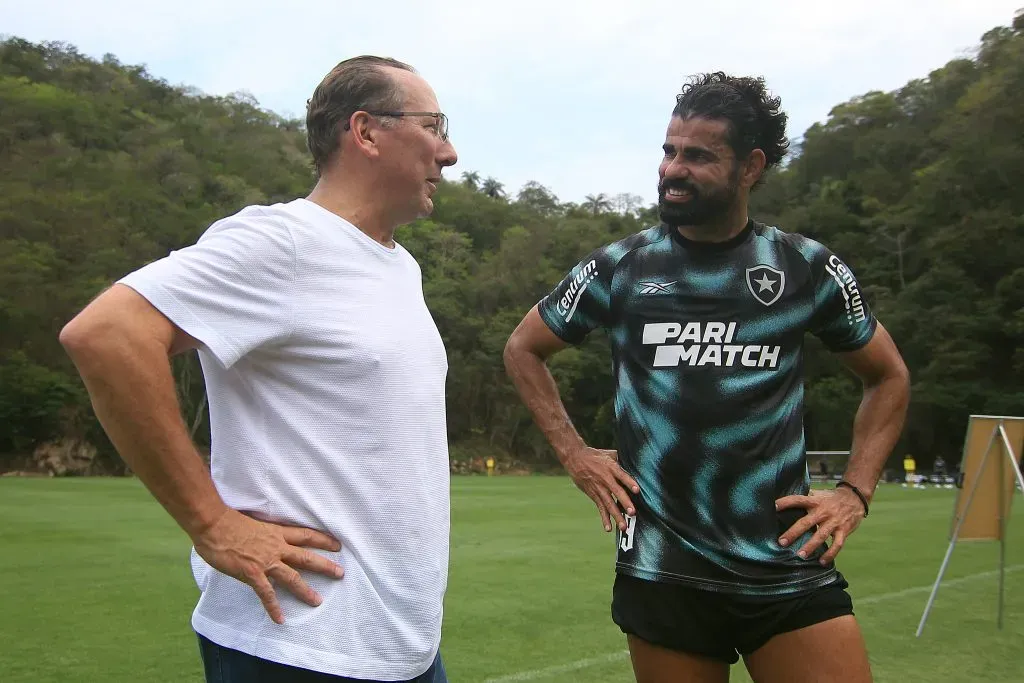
471 179
493 189
598 204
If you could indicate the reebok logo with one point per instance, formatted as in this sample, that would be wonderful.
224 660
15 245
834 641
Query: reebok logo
710 343
848 286
655 287
571 299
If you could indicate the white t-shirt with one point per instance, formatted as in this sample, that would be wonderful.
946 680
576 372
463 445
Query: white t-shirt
325 375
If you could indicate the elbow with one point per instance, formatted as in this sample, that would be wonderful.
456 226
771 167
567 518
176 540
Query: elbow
113 328
89 337
509 354
83 341
904 375
517 352
892 379
897 383
901 374
905 382
75 336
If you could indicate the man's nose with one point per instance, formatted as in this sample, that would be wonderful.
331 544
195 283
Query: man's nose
676 170
448 156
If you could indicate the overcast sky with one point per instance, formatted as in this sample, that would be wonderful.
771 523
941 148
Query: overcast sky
574 95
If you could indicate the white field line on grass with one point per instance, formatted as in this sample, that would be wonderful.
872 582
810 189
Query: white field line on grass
560 669
927 589
615 656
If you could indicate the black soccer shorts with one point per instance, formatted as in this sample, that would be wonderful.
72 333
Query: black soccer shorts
718 625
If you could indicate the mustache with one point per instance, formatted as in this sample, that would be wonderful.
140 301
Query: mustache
676 184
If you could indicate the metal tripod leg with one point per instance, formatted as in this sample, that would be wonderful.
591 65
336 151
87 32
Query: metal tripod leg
1003 521
956 533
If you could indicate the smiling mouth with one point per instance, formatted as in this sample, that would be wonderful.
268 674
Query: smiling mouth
674 194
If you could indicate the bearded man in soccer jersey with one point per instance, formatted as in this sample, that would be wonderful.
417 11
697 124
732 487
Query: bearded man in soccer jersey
722 552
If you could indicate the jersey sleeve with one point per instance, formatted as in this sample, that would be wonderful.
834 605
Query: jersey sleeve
232 290
842 318
581 302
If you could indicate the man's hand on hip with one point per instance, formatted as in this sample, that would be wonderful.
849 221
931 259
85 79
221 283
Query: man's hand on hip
597 473
256 552
835 513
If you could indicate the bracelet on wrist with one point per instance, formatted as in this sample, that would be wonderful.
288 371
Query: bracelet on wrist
863 498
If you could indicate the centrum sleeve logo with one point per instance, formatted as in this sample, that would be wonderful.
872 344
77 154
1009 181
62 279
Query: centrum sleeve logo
571 299
855 311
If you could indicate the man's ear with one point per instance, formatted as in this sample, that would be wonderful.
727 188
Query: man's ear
363 133
753 168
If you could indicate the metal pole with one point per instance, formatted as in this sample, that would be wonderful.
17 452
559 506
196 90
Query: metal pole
938 580
956 533
1004 521
1012 456
1002 571
1002 538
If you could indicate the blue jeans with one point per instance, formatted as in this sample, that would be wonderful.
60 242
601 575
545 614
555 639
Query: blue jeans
224 665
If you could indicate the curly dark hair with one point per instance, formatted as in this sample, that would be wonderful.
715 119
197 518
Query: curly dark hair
753 114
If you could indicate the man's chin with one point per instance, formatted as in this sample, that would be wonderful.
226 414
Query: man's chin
416 212
674 215
690 215
427 207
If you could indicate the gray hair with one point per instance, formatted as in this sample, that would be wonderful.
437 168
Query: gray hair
356 84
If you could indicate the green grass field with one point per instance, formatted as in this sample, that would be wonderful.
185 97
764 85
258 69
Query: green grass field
96 587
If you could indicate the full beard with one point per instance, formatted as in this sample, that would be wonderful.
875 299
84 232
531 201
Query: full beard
702 209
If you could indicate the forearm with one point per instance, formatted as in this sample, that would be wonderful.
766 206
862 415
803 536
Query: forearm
876 428
132 392
539 393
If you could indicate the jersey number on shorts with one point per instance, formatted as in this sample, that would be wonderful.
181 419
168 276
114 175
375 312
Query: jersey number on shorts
626 537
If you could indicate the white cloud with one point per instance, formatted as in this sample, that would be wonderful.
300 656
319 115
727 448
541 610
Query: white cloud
573 94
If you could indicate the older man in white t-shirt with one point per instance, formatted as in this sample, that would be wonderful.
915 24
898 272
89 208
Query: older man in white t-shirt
317 556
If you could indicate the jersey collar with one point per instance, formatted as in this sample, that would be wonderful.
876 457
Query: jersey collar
696 246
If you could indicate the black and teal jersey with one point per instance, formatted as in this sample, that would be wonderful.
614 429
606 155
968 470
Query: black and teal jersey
707 344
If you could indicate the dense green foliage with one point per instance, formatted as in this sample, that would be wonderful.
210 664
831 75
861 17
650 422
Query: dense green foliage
104 168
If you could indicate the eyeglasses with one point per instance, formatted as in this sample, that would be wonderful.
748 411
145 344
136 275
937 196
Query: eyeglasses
441 125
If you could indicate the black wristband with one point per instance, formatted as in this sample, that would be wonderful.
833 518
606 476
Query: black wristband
863 500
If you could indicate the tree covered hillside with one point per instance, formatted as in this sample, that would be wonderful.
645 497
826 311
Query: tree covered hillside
104 167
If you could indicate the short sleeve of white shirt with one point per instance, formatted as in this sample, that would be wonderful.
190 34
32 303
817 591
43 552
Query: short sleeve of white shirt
232 290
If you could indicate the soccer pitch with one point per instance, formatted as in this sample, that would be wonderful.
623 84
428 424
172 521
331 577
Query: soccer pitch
96 587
